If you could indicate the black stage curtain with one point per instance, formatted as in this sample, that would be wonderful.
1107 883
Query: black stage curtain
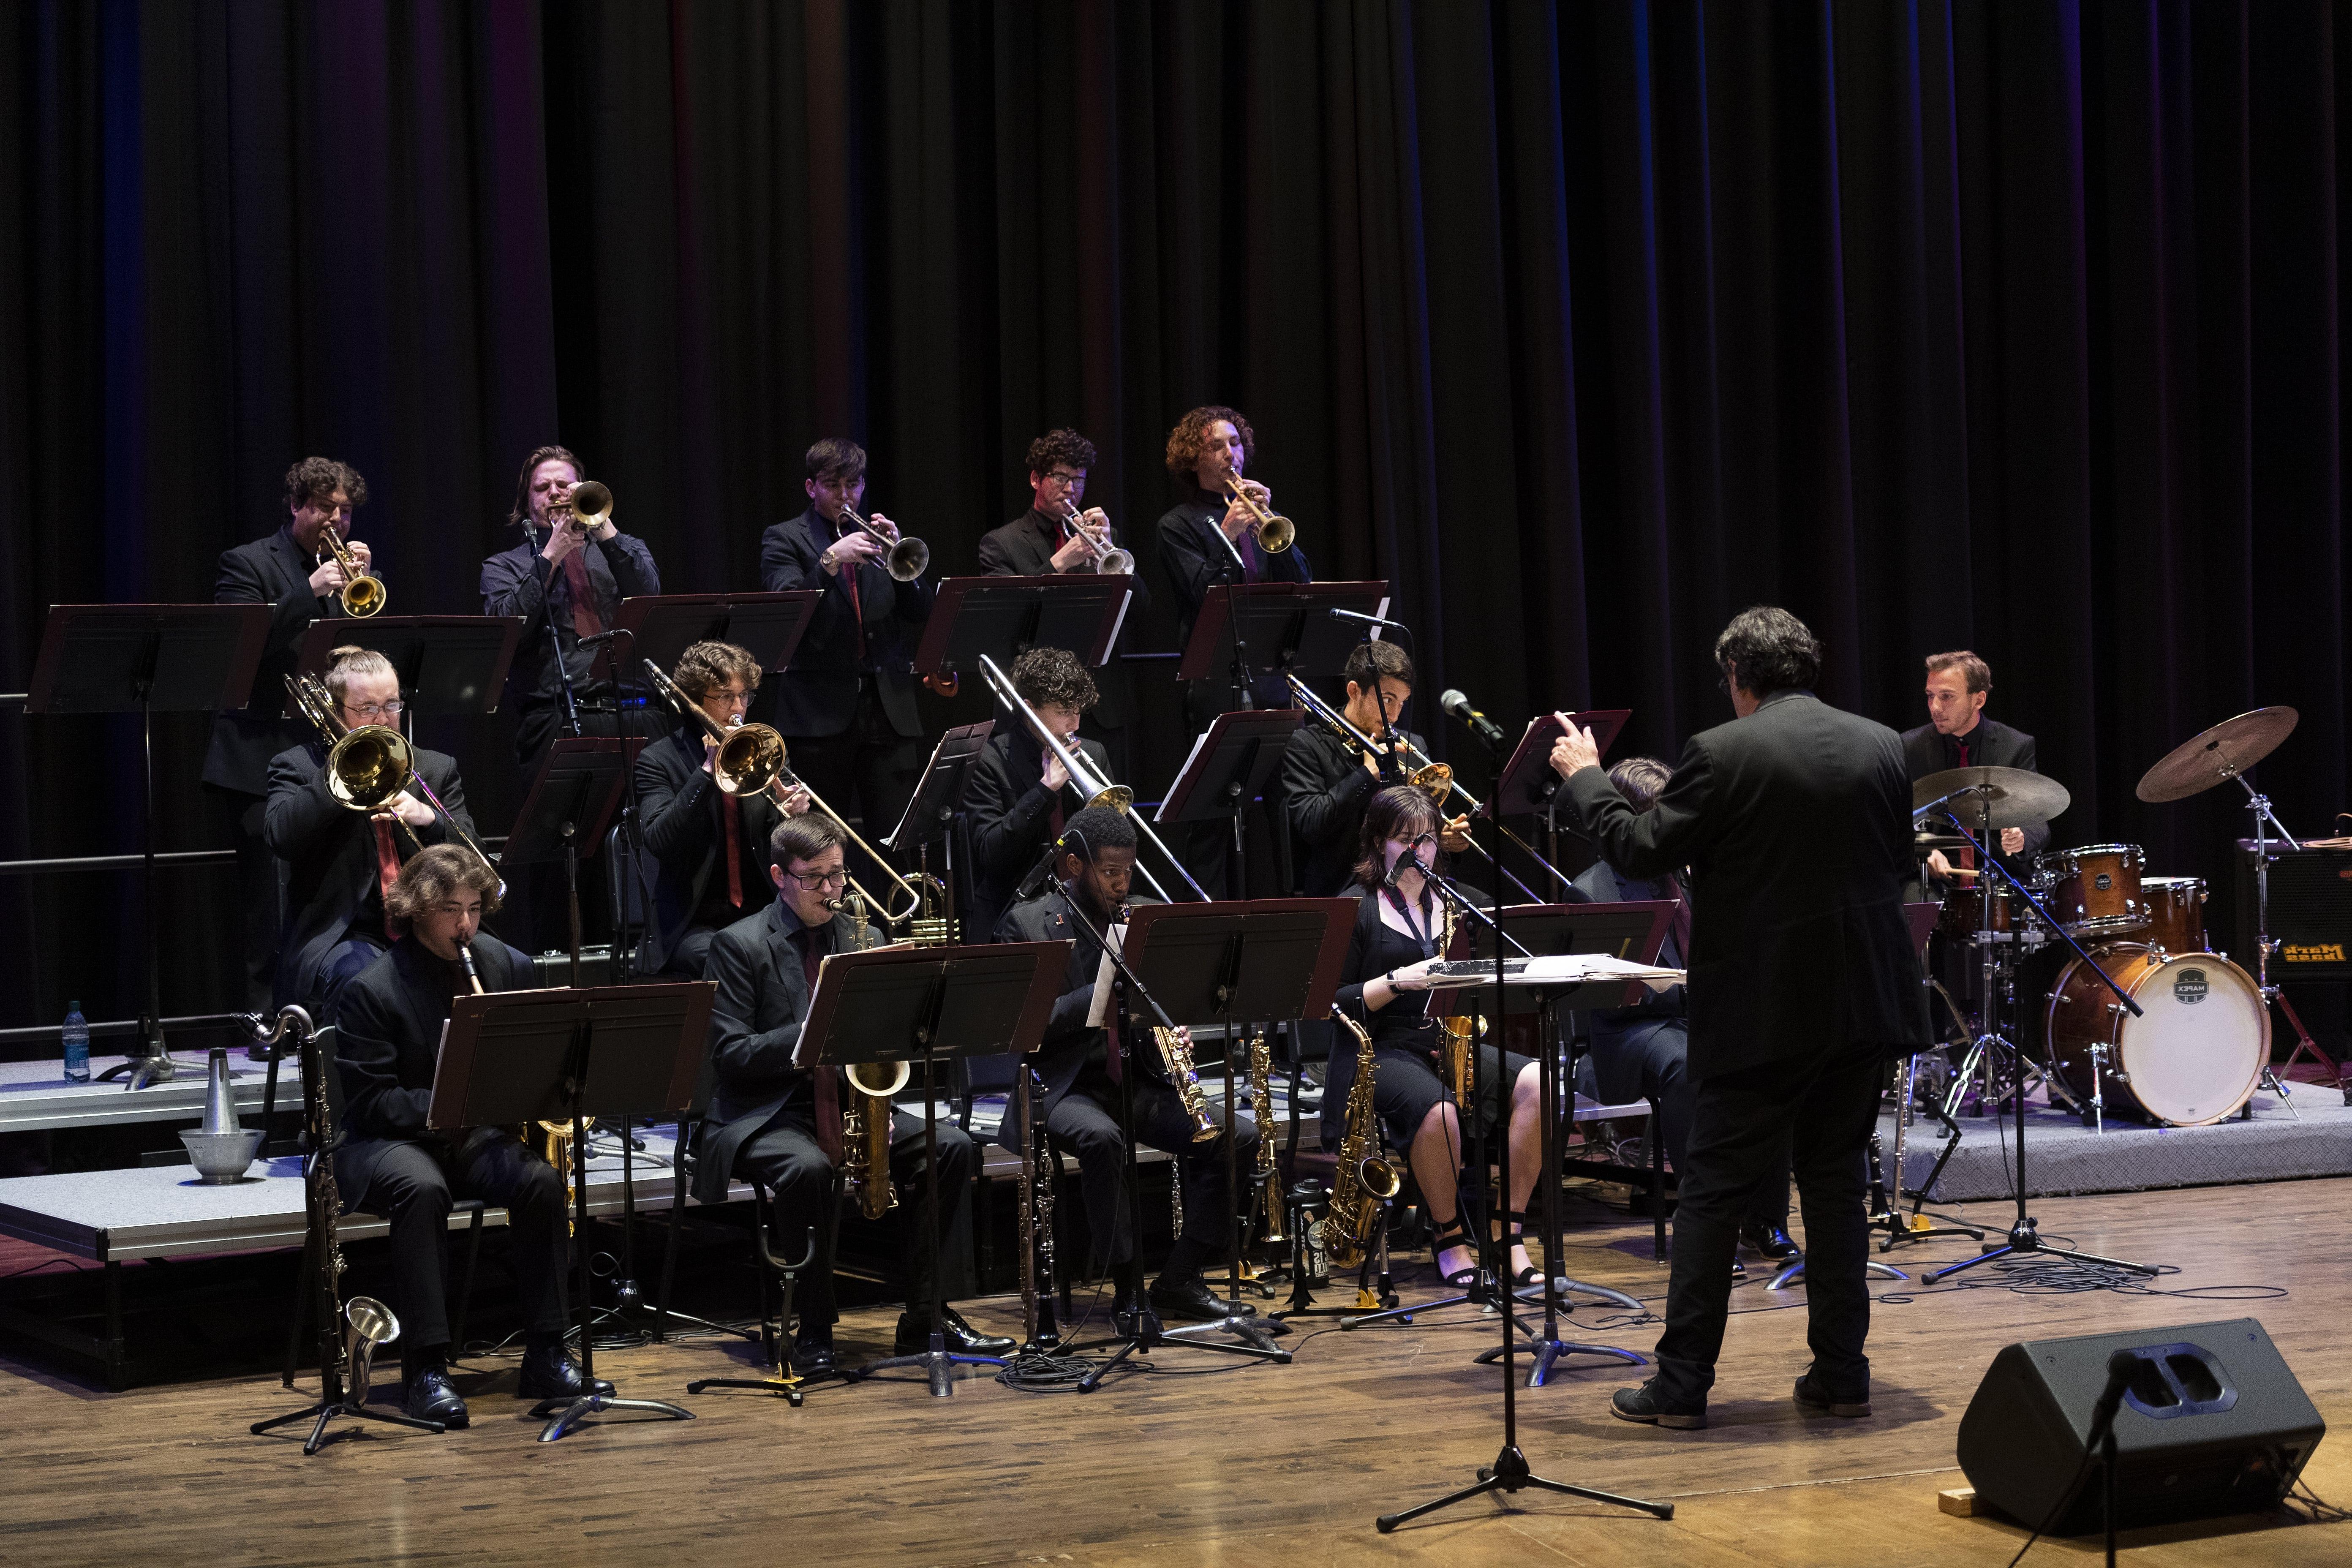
2000 324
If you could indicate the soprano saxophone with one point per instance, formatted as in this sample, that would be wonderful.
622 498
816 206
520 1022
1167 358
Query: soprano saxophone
1363 1179
1261 1066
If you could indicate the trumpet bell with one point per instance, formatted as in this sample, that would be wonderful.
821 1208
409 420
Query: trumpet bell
909 558
1116 563
1276 533
368 766
592 502
363 597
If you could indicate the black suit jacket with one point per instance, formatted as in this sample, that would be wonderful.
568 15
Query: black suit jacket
1008 814
388 1042
818 695
1068 1042
755 1024
1992 744
1025 548
330 855
685 833
1796 824
273 571
1324 791
518 580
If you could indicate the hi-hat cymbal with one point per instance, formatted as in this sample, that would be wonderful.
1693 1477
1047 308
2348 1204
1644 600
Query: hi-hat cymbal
1996 797
2218 755
1923 842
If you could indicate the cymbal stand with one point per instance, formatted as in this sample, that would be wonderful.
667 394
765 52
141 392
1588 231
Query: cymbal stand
2022 1235
2266 819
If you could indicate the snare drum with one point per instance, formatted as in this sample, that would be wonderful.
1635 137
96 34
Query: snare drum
1963 914
2192 1055
2176 912
2098 889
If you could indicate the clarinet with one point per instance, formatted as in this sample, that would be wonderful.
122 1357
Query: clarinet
1037 1182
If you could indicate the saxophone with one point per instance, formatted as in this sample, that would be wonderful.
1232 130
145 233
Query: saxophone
552 1139
1457 1033
1363 1179
1176 1059
1261 1066
865 1114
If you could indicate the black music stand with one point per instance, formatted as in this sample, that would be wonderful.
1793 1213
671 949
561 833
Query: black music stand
1005 616
446 664
1227 768
1527 786
927 1003
1276 627
567 1056
580 781
145 658
660 627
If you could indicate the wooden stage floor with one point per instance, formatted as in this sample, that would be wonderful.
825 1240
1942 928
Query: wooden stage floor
1201 1464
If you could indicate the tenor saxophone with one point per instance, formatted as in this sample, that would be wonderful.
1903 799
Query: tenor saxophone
1260 1066
1363 1179
865 1115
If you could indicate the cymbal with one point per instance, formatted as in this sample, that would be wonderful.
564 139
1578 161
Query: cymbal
1997 797
2218 755
1923 842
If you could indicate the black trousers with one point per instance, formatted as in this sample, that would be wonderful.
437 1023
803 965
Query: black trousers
786 1157
412 1185
1086 1122
1748 1127
237 817
868 771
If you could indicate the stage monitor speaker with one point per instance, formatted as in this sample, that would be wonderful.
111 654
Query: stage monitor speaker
2212 1423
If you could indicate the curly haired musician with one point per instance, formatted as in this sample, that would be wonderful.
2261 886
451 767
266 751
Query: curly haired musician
1017 795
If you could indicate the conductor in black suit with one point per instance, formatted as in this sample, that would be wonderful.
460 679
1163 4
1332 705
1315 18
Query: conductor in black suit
1082 1073
709 848
1018 794
341 863
1959 735
1045 541
847 704
387 1043
1795 822
301 581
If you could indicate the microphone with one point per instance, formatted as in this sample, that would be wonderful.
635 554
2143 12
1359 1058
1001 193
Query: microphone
1041 873
601 637
1401 862
1454 702
1358 617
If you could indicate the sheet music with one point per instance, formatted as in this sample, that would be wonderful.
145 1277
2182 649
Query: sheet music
1098 1011
1159 812
1566 969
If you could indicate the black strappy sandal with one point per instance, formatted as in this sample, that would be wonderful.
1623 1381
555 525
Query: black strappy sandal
1453 1233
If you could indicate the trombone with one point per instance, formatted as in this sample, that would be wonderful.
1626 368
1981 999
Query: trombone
367 767
362 596
753 760
908 559
1433 779
1083 779
1109 559
1276 533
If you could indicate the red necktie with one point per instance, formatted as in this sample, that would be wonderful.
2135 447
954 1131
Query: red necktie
728 809
585 621
388 859
828 1093
1253 564
856 606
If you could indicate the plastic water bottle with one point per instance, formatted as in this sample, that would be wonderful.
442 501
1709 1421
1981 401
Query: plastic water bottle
76 1034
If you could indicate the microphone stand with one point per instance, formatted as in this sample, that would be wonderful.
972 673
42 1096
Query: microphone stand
554 642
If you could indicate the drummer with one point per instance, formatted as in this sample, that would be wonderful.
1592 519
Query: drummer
1959 735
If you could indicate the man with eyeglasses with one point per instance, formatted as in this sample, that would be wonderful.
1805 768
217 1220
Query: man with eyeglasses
339 862
708 848
779 1125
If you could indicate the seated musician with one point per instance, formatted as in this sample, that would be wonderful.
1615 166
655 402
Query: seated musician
1401 922
1643 1051
1959 735
1082 1075
779 1125
1327 779
709 848
340 862
387 1042
1016 795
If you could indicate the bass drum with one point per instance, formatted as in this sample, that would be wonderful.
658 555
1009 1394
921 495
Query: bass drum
2194 1054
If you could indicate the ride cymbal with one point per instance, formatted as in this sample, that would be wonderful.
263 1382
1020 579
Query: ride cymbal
1994 797
2218 755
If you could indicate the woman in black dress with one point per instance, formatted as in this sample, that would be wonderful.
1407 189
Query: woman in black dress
1385 986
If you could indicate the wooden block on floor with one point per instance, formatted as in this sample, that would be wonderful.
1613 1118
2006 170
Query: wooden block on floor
1960 1502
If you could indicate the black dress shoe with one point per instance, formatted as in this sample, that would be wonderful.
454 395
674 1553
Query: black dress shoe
550 1373
1773 1241
1815 1399
1193 1302
1643 1405
430 1397
960 1337
1132 1318
813 1354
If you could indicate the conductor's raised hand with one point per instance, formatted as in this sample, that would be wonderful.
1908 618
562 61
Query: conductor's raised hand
1574 751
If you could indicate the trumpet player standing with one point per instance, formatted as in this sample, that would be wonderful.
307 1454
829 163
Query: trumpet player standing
709 848
784 1127
297 575
1082 1071
847 704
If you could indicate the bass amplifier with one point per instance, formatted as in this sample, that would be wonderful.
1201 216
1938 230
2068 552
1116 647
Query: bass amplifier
2212 1423
2311 912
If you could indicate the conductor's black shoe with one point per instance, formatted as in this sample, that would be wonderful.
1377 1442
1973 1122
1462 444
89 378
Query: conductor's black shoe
1132 1317
1193 1302
430 1397
1642 1405
1815 1399
550 1373
960 1337
813 1354
1772 1240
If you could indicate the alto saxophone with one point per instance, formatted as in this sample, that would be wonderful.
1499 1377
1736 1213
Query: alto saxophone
1363 1179
1261 1064
865 1115
1458 1033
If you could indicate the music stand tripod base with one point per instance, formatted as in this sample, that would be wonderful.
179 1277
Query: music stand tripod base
328 1410
1796 1271
1509 1473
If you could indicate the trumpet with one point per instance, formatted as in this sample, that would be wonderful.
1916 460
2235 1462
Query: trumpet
1097 791
908 559
1110 561
367 767
587 506
753 760
362 596
1276 533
